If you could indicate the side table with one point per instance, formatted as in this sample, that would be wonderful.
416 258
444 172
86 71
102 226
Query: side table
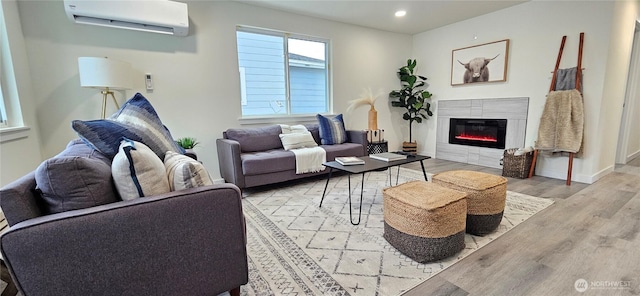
377 147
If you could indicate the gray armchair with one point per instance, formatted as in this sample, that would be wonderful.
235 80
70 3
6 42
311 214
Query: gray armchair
189 242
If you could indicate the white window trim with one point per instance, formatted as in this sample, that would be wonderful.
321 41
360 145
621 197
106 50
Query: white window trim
243 92
14 133
3 112
291 119
14 128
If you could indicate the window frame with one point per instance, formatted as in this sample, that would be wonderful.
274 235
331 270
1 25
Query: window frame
288 116
4 119
13 128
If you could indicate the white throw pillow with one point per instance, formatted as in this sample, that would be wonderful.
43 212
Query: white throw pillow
137 171
295 129
297 140
299 129
185 172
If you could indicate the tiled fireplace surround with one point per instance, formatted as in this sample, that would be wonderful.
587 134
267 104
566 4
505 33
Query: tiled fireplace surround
514 110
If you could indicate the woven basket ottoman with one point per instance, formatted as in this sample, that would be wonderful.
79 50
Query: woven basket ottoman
485 200
424 221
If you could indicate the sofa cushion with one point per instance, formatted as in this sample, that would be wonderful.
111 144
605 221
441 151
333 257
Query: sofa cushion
78 177
332 130
256 139
137 120
344 149
185 172
138 172
270 161
77 147
278 160
314 129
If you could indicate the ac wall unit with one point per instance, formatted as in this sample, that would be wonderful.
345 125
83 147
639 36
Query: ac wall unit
157 16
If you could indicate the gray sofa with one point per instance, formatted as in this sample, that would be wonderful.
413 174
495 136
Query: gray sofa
255 156
187 242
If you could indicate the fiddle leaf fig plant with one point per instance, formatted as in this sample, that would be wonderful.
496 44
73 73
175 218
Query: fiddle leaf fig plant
412 96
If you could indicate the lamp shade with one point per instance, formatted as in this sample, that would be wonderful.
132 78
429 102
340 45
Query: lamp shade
103 72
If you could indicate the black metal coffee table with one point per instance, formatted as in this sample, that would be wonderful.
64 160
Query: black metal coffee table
369 165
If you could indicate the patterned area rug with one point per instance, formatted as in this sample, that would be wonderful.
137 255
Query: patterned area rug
297 248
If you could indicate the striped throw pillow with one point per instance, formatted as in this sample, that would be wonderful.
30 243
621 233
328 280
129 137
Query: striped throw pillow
137 121
332 130
185 172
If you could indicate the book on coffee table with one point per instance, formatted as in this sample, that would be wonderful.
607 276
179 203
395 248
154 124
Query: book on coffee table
387 156
349 160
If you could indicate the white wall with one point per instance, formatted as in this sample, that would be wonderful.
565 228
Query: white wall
195 77
625 14
19 156
197 88
535 30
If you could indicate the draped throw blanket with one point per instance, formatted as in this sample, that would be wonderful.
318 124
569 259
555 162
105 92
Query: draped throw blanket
309 156
562 122
309 160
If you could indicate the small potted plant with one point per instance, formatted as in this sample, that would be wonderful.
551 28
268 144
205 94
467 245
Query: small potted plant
413 98
188 143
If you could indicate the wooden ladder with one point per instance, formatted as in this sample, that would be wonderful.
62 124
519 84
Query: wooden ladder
552 88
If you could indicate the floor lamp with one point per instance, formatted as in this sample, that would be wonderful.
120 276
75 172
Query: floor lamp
105 74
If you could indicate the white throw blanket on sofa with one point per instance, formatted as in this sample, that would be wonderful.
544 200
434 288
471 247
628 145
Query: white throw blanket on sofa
309 160
309 157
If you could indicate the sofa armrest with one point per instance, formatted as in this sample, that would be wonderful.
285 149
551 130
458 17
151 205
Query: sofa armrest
188 242
358 137
230 162
18 201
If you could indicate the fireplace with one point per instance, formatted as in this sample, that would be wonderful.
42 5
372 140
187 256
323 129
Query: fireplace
488 133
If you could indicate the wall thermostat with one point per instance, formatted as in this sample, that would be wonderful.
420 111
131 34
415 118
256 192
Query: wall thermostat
148 81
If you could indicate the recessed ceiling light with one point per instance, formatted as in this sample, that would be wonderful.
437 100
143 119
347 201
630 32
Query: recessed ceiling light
401 13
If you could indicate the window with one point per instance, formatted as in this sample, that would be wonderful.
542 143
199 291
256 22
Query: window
3 111
11 124
281 73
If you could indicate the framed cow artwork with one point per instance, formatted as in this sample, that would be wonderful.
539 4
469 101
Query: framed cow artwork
480 63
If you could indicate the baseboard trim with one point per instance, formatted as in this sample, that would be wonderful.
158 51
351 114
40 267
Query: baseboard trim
632 156
218 181
582 178
599 175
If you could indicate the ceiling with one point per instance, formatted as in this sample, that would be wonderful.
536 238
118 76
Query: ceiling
422 15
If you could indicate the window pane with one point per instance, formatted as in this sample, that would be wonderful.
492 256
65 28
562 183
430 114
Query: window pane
307 76
280 74
262 59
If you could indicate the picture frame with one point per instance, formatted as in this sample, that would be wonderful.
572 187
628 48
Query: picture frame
480 63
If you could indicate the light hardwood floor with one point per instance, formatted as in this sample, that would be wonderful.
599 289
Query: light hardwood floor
591 232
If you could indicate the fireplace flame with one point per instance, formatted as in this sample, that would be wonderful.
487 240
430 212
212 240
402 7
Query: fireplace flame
476 138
